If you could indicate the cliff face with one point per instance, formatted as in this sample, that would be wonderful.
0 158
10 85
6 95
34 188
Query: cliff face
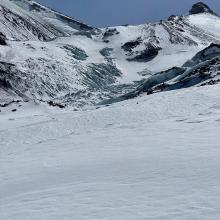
200 7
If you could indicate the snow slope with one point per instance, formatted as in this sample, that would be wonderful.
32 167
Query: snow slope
154 157
28 20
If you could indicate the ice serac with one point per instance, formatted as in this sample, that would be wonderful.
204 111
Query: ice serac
201 7
202 69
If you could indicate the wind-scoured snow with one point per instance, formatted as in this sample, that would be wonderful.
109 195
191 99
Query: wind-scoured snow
204 20
155 157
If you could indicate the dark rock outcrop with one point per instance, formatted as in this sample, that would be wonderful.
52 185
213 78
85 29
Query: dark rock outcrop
75 52
172 18
108 33
146 55
2 39
11 79
200 7
131 45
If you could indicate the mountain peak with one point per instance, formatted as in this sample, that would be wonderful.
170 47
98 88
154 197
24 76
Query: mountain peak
200 7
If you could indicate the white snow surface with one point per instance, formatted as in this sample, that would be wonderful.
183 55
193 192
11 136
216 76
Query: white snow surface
153 157
206 20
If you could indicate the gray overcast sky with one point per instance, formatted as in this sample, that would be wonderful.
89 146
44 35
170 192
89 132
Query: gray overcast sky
103 13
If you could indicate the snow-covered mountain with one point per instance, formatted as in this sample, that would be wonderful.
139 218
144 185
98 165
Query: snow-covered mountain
148 157
49 57
28 20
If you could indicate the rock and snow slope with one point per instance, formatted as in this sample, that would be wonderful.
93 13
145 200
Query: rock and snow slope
28 20
203 69
57 59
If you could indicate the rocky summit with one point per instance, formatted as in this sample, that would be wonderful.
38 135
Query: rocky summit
201 7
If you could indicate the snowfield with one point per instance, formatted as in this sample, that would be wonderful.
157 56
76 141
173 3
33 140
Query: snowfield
152 157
